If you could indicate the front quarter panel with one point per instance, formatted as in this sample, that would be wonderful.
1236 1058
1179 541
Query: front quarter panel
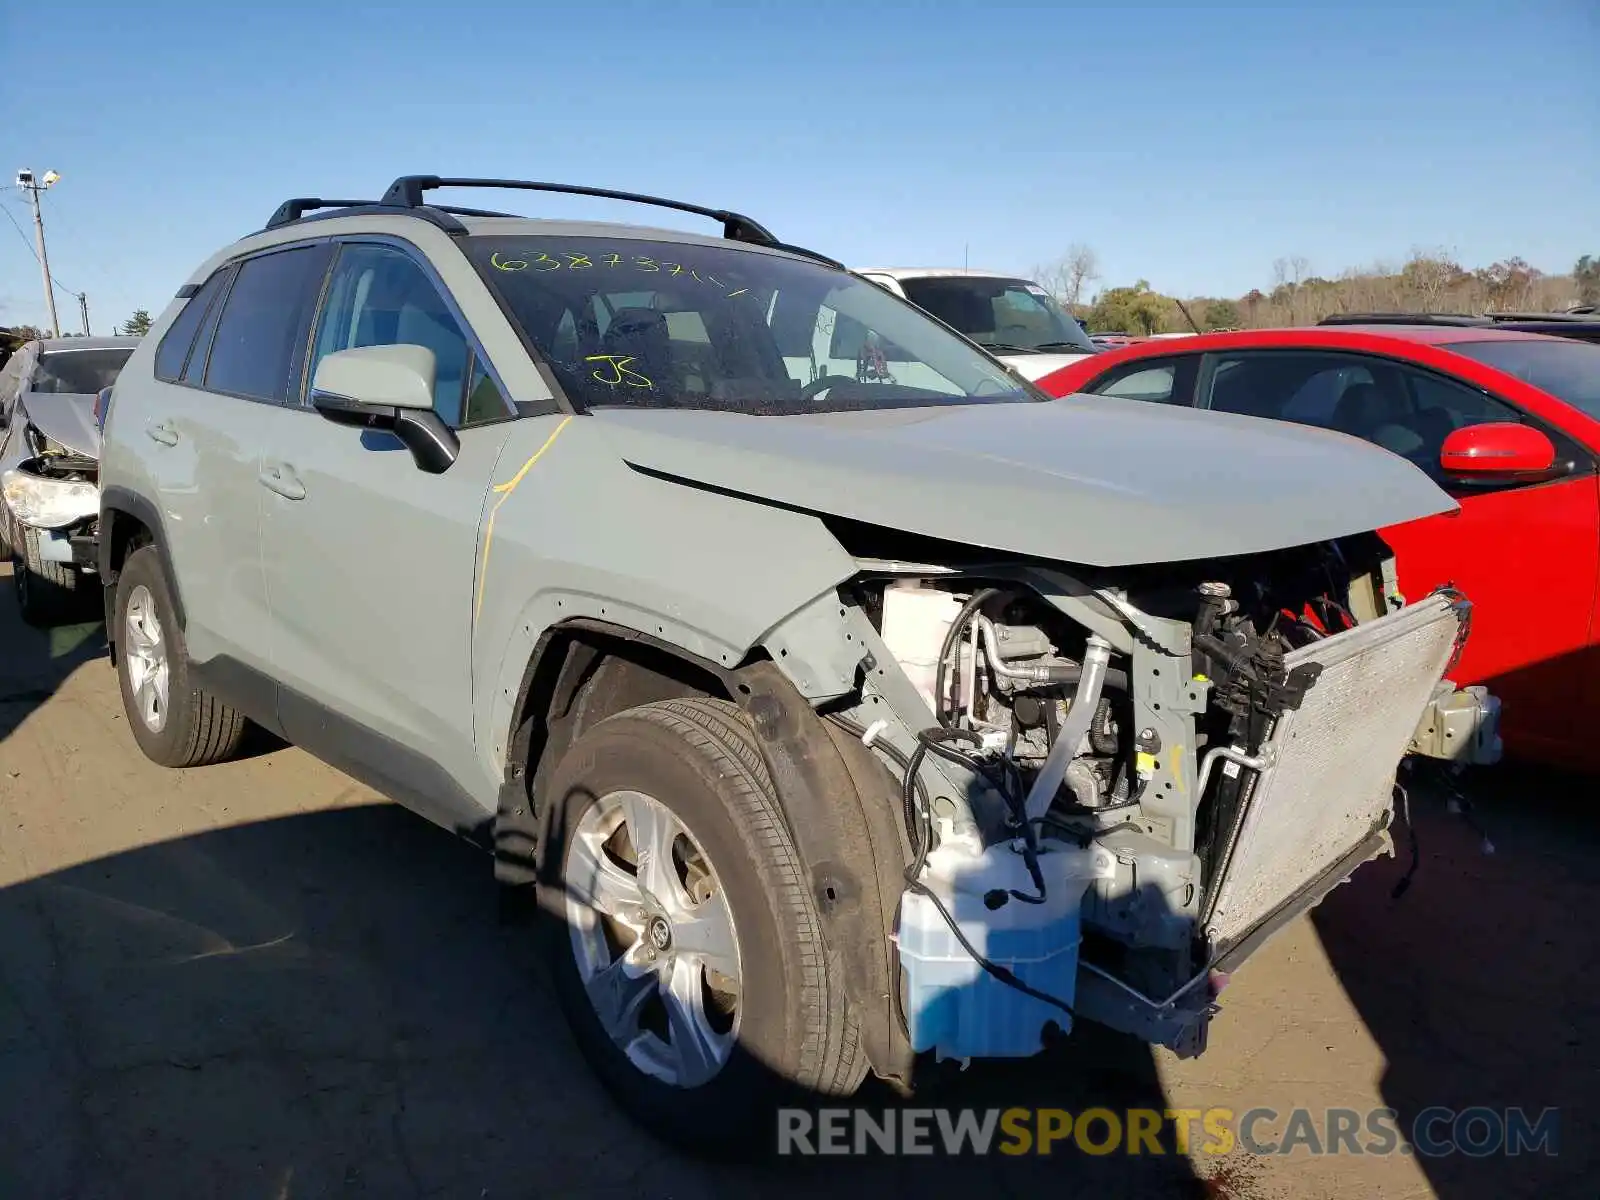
574 532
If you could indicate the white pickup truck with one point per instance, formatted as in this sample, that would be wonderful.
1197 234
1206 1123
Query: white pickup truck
1014 319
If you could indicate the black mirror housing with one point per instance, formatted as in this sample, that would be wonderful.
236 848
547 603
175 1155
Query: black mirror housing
434 445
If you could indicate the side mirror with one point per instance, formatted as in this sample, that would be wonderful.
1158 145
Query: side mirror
388 388
102 405
1498 452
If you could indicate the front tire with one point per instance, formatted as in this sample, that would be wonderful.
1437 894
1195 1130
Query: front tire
175 722
684 943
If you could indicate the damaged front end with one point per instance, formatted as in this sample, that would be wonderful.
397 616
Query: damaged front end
1117 784
55 491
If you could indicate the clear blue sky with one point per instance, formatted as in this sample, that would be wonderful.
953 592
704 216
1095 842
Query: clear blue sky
1190 145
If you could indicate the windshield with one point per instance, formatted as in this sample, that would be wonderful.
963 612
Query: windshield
1013 315
650 324
81 372
1568 370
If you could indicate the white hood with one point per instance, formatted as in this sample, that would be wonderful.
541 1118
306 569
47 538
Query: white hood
1036 366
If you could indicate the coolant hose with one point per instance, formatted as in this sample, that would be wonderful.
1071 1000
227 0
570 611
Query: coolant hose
1096 658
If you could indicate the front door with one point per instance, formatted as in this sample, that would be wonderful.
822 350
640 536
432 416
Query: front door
370 561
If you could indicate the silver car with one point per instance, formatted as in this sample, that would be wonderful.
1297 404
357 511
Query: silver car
840 717
49 455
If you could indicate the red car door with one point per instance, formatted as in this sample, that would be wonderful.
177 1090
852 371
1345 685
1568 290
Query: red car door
1527 556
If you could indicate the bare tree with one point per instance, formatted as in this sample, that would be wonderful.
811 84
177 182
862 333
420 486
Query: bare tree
1066 277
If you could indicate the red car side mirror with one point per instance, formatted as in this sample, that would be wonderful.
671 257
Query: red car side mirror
1498 449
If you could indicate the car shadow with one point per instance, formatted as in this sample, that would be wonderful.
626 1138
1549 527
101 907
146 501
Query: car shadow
320 1004
1479 982
35 662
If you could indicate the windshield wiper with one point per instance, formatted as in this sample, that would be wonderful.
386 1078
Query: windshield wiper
1007 348
1066 346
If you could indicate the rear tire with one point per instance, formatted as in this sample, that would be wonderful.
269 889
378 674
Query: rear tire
175 722
782 1028
46 590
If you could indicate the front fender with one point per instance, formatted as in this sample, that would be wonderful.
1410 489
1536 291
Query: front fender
582 535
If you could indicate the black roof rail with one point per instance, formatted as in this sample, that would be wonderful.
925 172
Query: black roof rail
405 197
1537 316
299 206
1404 318
443 216
406 192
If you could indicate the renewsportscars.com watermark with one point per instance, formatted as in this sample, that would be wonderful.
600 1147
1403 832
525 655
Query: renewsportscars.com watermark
1477 1132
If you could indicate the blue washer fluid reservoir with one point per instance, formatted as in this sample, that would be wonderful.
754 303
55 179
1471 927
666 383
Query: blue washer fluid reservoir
953 1006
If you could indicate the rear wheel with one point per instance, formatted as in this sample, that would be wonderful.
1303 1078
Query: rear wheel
684 943
175 722
46 590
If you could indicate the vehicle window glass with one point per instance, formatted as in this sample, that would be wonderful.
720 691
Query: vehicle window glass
78 372
380 296
707 325
1406 410
1138 381
484 399
173 351
1315 401
1308 387
194 371
254 349
1568 370
1011 315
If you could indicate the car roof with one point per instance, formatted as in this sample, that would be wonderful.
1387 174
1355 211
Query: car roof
1394 336
937 273
56 345
1438 335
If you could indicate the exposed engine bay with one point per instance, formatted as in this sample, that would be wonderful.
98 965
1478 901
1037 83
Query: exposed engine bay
1115 740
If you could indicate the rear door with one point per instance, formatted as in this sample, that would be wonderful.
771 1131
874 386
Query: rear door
1528 555
369 561
219 377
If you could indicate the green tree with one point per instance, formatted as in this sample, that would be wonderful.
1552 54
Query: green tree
137 325
1133 309
1587 276
1221 314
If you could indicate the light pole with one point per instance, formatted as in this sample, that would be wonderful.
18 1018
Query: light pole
26 182
83 309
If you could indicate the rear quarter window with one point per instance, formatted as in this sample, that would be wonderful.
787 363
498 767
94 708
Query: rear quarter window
173 352
1155 382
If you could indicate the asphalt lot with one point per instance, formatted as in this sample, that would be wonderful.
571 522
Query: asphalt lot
260 980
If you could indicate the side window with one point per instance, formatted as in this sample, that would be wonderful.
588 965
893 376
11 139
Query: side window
173 351
379 296
1159 383
484 399
1318 397
1310 387
196 369
257 345
1441 406
1403 409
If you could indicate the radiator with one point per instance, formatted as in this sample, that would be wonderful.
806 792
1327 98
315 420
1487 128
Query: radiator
1326 783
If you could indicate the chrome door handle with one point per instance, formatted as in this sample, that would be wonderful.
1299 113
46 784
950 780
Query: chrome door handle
163 432
281 479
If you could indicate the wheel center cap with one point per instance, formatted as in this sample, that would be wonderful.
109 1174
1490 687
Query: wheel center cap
659 933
